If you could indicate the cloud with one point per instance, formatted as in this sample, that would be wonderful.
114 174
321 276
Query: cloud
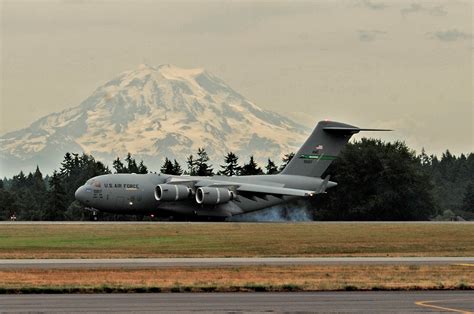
369 35
418 8
234 17
373 5
450 35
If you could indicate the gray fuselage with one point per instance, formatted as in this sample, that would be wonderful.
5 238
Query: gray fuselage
135 194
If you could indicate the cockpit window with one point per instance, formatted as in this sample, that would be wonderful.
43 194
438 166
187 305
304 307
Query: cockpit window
94 183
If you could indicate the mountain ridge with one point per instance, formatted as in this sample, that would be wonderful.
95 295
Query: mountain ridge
153 112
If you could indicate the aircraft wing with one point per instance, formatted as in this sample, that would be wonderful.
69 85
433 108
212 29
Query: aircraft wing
262 189
274 190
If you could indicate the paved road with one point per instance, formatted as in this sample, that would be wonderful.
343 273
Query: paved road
230 261
362 302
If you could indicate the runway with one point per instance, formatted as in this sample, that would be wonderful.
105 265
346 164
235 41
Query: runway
230 261
6 222
361 302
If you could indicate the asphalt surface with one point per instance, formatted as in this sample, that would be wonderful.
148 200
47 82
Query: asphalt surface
200 222
327 302
227 261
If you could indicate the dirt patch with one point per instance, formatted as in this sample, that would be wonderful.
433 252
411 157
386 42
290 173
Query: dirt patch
247 278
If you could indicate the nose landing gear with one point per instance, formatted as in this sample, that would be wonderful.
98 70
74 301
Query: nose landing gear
94 212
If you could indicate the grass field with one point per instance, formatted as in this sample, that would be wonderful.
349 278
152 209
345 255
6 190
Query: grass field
234 239
248 278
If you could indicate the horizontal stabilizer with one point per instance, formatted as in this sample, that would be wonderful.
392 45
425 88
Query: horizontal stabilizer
349 130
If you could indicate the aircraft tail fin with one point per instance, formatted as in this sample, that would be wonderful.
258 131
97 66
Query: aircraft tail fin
321 148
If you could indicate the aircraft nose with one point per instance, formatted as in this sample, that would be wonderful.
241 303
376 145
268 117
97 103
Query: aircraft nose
81 195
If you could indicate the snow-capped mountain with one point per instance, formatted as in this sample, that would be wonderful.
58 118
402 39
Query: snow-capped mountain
153 112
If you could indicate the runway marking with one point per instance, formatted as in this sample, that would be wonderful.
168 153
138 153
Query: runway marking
425 304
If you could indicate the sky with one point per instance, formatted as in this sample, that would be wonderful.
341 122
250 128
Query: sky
405 65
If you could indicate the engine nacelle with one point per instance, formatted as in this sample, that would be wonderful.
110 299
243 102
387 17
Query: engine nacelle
213 196
172 192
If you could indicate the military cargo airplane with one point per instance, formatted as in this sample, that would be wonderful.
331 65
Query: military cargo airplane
220 197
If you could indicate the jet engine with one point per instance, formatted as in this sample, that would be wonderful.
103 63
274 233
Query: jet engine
172 192
213 196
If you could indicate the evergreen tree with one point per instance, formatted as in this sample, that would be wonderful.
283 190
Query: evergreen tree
1 184
468 200
7 183
118 166
38 181
131 164
57 199
271 167
177 168
231 167
251 168
38 191
30 180
23 200
286 159
7 199
424 158
142 169
167 167
450 176
191 164
202 166
19 181
68 164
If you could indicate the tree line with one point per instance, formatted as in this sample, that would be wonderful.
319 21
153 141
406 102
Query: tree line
388 181
199 166
376 181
